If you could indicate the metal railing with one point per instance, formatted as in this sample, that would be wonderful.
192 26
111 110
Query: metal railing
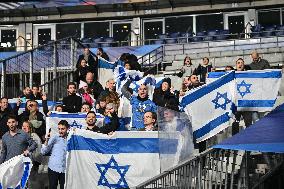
214 168
25 69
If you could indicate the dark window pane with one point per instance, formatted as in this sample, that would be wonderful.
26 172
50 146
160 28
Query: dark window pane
8 36
121 32
209 22
153 29
96 29
179 24
44 36
68 30
269 18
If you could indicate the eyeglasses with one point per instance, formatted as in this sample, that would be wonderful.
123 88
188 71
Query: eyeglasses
31 105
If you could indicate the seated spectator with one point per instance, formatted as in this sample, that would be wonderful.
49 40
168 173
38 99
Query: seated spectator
163 94
247 115
150 119
92 61
228 68
26 93
36 95
5 111
258 63
203 69
85 107
72 103
102 54
101 105
188 68
91 124
85 93
95 87
57 146
35 118
81 72
15 142
140 104
59 108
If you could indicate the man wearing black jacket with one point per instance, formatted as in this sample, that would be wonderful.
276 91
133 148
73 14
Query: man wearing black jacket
5 111
72 103
36 95
94 85
91 124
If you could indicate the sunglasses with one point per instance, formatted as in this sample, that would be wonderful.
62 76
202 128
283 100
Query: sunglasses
31 105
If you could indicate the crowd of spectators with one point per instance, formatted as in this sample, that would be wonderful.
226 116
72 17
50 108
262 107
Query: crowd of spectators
26 132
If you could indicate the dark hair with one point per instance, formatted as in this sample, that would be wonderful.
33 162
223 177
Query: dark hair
154 116
60 105
71 83
86 103
11 116
231 67
205 58
3 98
187 57
91 112
34 85
100 49
64 122
240 59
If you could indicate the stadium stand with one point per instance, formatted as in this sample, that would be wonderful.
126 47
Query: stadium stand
146 43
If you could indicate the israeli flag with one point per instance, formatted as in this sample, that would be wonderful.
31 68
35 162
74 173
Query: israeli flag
75 120
13 103
105 70
256 90
123 160
15 172
210 106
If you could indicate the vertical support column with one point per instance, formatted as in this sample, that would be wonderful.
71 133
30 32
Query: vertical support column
3 79
55 58
31 69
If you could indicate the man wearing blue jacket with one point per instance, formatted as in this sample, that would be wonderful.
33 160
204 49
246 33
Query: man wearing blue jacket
140 104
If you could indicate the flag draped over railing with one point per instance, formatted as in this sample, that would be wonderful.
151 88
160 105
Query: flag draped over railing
256 90
123 160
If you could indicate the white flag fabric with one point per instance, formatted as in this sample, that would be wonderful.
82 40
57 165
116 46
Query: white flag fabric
13 103
105 70
210 106
124 160
75 120
256 90
15 172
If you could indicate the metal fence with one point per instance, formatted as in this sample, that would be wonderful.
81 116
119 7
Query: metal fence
216 168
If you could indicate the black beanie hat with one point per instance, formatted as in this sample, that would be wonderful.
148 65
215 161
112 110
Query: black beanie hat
168 80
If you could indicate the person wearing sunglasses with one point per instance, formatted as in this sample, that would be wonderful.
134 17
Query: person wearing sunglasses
35 117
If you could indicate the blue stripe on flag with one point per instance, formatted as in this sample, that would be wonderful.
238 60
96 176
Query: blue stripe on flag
73 115
105 64
256 103
191 97
268 74
211 125
114 146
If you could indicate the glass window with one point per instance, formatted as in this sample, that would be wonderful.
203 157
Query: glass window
121 31
269 17
44 36
68 30
209 22
96 29
153 29
179 24
8 36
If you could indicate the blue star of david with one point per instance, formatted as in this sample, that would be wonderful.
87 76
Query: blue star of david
247 90
218 97
121 170
76 125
